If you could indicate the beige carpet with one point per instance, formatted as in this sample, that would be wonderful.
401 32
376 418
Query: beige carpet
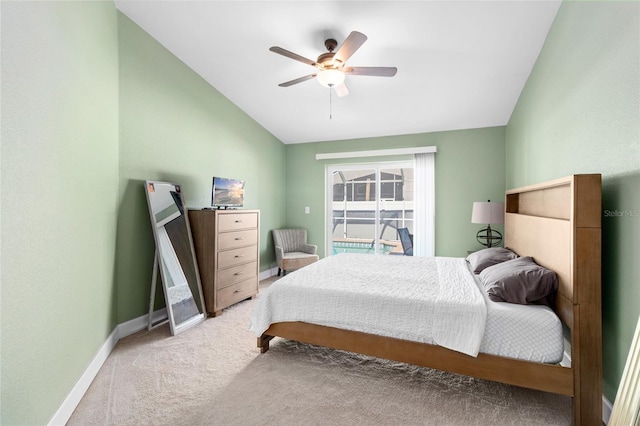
213 374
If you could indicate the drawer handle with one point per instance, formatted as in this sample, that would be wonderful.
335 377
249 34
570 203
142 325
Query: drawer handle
238 221
239 238
239 255
237 291
238 273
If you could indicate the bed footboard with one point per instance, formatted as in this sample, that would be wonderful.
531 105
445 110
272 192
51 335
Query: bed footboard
544 377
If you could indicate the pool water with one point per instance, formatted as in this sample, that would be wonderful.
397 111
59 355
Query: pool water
358 247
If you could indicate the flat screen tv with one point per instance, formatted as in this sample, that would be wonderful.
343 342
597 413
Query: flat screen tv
227 193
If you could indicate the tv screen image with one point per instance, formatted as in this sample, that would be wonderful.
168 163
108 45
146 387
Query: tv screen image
227 192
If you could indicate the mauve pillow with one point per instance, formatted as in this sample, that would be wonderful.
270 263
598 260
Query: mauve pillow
484 258
520 281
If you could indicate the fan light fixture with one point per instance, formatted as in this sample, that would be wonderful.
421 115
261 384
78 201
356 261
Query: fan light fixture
331 70
330 77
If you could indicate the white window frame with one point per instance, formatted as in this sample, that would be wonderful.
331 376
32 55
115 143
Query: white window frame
376 167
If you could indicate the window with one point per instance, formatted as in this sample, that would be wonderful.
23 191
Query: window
358 219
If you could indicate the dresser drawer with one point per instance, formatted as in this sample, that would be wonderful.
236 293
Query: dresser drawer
235 221
236 257
234 239
236 292
237 273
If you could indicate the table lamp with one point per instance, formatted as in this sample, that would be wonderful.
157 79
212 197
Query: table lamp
489 213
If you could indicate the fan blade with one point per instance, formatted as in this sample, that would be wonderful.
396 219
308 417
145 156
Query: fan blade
373 71
297 80
349 47
341 90
292 55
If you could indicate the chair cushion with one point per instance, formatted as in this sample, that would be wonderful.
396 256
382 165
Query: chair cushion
298 255
297 260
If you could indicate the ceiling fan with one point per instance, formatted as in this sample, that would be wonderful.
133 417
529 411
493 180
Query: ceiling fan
332 65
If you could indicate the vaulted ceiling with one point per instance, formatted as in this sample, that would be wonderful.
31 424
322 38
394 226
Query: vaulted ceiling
461 64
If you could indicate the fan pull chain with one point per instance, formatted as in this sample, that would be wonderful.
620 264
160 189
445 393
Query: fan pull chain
330 105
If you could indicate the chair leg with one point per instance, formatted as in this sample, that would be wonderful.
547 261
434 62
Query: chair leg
284 272
279 271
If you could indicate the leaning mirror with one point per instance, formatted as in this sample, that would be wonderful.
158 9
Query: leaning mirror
626 409
175 256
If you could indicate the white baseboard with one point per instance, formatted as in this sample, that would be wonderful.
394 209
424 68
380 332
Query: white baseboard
138 324
267 274
64 412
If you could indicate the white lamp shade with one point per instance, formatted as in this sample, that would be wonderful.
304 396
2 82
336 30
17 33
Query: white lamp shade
330 77
487 212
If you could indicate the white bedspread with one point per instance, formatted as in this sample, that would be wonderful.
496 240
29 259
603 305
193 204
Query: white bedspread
432 300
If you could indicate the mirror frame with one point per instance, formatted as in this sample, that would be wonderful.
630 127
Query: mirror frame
626 408
175 259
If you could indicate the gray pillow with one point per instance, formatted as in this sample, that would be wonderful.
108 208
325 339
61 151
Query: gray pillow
520 281
482 259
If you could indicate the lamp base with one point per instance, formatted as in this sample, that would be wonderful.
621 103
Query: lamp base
489 237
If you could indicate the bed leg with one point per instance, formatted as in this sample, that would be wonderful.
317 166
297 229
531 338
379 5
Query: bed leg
263 343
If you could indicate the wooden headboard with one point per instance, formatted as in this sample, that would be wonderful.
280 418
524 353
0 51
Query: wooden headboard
558 223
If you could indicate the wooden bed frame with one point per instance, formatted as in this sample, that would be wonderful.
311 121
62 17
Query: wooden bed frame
558 223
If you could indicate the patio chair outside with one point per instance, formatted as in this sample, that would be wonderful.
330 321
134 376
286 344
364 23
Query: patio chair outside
407 241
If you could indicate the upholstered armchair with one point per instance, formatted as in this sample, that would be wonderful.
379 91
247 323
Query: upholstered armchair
292 250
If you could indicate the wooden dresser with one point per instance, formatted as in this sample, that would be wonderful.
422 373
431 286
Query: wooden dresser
227 244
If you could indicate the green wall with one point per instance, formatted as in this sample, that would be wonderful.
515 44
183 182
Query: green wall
91 107
579 113
175 127
469 166
59 198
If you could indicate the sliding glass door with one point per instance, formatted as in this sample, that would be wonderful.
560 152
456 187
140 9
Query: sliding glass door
367 204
